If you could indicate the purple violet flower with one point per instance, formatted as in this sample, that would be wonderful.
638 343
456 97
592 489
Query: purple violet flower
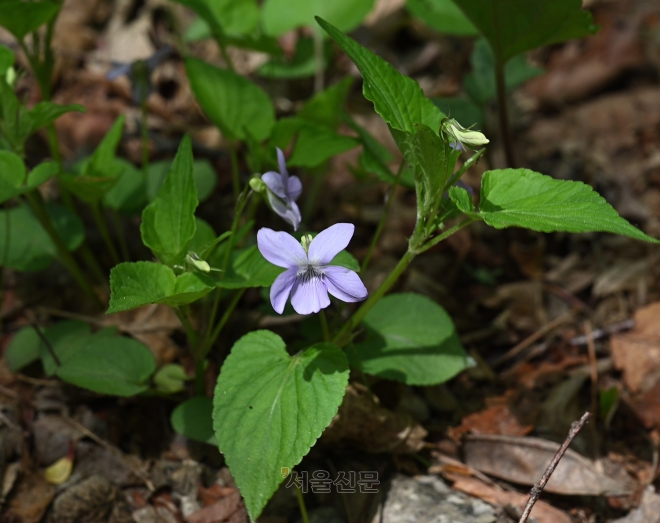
308 277
283 191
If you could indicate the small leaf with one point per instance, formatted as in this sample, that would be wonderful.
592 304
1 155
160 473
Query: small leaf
442 15
317 144
128 194
462 199
45 113
168 223
301 65
269 408
21 18
189 287
346 259
194 419
248 268
237 17
23 349
327 107
110 365
100 163
237 106
7 59
280 16
170 379
12 175
515 26
409 339
398 99
59 471
139 283
203 174
524 198
42 173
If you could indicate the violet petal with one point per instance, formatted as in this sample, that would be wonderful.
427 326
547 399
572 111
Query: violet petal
308 296
330 242
280 248
281 288
344 284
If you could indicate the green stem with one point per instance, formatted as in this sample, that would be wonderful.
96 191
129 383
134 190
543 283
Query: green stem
191 334
319 62
39 208
92 264
225 318
458 174
225 54
144 135
105 233
505 131
235 175
431 243
343 336
200 383
301 505
123 245
324 326
317 175
383 219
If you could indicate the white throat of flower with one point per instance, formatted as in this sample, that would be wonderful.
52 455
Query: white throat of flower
308 271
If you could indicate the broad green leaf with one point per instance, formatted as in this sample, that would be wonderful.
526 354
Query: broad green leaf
110 365
346 259
327 107
301 65
411 339
12 175
42 173
139 283
524 198
134 284
65 338
194 419
317 144
247 268
23 349
28 247
515 26
280 16
45 113
398 99
204 237
237 106
269 408
170 379
21 18
168 223
203 174
480 83
6 59
128 194
442 15
235 17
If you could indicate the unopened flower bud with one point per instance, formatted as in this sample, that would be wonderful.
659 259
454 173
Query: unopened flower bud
194 261
258 185
462 136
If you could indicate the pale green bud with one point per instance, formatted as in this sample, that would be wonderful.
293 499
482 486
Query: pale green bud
258 185
10 76
194 261
305 241
467 138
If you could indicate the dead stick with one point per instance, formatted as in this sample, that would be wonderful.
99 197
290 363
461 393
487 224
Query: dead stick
535 493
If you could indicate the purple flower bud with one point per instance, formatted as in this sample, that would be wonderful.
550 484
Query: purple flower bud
283 191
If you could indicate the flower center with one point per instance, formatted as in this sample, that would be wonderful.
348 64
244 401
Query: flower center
307 273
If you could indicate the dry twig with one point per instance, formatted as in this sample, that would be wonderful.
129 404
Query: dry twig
535 493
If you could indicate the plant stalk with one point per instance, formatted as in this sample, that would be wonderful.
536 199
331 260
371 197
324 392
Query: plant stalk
505 130
105 232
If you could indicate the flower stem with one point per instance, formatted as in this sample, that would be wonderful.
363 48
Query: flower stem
123 246
105 233
144 136
319 62
383 218
235 175
324 326
39 208
505 131
225 317
301 505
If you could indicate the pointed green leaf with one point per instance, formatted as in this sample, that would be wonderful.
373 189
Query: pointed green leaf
237 106
12 175
317 144
100 164
21 18
442 15
139 283
398 99
23 349
110 365
194 419
168 223
42 173
462 199
236 17
203 173
411 339
45 113
247 268
189 287
128 194
515 26
327 107
524 198
269 408
280 16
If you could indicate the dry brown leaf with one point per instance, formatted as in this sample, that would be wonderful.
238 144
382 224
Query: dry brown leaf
362 421
542 512
524 459
496 419
637 352
228 508
30 499
648 510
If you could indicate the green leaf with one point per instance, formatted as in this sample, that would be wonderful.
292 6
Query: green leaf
28 247
237 106
346 259
65 338
411 339
128 194
6 59
204 237
480 83
524 198
170 379
100 163
327 107
515 26
110 365
21 18
194 419
280 16
12 175
189 287
317 144
248 268
398 99
168 223
203 174
442 15
237 17
269 408
42 173
462 199
134 284
466 112
45 113
301 65
23 349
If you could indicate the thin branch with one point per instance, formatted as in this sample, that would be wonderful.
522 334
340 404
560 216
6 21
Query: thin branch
535 493
47 343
